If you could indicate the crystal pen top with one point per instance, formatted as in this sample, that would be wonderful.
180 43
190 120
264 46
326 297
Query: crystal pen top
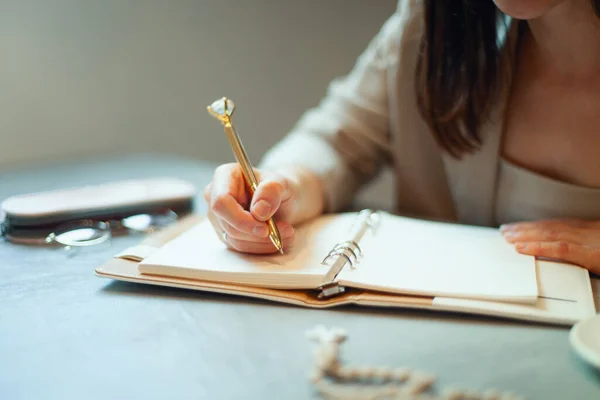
222 109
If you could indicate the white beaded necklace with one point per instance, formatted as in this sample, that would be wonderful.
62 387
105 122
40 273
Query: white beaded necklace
357 383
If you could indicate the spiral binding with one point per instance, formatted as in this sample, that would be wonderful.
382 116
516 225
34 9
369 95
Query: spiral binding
347 253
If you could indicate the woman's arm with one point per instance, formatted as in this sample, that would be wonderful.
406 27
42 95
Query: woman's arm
343 142
332 151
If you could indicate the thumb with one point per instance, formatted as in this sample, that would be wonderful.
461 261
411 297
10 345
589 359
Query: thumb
269 196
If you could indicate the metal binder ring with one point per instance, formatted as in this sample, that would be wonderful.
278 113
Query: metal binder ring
346 248
350 245
342 250
338 253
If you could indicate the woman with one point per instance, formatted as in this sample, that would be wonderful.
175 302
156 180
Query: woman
487 112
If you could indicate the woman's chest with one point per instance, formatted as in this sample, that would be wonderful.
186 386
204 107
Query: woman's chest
554 131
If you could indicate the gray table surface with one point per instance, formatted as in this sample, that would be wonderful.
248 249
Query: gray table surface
67 334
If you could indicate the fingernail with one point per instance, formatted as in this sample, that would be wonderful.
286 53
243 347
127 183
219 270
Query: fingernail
521 246
506 227
262 209
260 231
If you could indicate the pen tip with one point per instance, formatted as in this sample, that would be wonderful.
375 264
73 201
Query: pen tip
281 251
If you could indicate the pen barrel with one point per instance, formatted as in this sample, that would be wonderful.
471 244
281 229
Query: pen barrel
274 234
242 158
250 178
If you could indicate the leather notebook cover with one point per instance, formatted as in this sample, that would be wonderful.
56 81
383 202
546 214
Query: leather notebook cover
565 292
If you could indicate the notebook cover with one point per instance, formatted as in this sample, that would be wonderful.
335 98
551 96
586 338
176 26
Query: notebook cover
548 310
563 310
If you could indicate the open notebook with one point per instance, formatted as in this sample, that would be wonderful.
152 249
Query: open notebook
371 258
366 250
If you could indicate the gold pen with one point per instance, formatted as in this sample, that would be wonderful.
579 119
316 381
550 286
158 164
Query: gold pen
222 110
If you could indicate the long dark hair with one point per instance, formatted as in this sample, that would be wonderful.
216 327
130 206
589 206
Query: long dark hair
460 69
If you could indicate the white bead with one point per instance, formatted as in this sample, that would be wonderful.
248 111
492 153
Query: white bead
426 379
353 373
384 373
414 388
472 395
366 372
344 373
453 394
401 374
491 394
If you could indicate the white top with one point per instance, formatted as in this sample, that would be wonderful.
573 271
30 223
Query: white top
525 195
369 119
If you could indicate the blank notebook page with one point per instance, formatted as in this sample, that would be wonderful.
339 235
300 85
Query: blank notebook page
199 254
437 259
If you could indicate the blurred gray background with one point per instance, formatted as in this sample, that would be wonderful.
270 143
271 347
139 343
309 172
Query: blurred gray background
85 79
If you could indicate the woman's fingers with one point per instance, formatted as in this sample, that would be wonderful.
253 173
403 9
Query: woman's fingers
582 255
258 245
238 223
567 240
270 194
230 211
547 224
540 234
225 199
285 230
228 178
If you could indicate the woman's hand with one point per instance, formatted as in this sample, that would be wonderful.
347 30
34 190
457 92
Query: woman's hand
567 240
239 218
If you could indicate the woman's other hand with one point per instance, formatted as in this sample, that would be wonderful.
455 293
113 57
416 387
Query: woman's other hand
239 218
572 241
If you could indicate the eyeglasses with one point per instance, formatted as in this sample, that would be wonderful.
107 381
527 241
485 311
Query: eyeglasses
89 232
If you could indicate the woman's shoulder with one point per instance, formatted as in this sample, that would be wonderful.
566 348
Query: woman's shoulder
408 14
409 7
402 31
